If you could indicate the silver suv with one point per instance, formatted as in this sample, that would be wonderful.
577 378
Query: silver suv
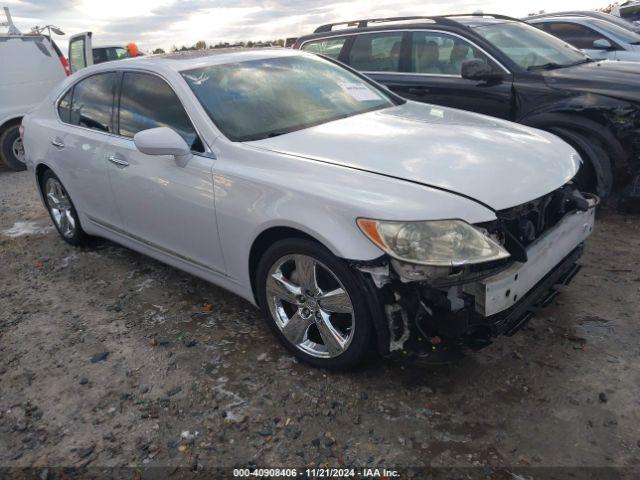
600 39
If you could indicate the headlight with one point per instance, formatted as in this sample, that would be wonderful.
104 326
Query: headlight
439 243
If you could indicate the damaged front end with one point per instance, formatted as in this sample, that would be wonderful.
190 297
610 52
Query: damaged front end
427 309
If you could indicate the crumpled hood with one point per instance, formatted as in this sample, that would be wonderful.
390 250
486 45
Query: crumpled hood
498 163
616 79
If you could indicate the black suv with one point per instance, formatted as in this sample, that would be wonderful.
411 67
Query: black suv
503 67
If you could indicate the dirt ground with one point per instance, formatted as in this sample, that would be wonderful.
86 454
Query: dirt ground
109 358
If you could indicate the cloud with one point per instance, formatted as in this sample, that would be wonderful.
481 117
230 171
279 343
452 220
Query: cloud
183 22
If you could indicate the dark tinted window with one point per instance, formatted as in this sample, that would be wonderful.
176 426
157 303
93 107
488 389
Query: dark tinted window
92 102
376 52
64 107
577 35
148 102
108 54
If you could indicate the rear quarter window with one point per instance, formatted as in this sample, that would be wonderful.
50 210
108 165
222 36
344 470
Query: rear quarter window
331 47
64 107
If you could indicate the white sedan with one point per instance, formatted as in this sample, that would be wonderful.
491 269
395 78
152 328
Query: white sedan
354 219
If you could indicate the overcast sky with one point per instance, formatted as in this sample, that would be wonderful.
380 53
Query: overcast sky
166 23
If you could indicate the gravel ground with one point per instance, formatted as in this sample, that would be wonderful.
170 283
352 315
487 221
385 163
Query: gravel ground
109 358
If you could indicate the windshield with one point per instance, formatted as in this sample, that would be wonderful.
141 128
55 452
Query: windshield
258 99
529 47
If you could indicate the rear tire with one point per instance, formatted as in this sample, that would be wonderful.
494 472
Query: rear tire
61 210
11 149
322 317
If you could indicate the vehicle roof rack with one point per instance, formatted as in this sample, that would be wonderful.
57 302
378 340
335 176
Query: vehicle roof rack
487 15
364 23
13 30
438 19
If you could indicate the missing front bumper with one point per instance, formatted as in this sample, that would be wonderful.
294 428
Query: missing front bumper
502 291
418 314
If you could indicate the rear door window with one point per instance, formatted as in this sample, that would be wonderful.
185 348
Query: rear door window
376 52
147 101
331 47
92 102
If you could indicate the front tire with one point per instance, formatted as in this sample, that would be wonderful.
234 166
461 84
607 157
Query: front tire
61 209
596 173
11 149
314 304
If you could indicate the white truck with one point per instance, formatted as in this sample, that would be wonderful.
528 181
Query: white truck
30 66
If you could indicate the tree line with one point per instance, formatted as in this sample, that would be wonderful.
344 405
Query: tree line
202 45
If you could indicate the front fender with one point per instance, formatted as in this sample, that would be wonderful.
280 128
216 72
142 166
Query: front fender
256 190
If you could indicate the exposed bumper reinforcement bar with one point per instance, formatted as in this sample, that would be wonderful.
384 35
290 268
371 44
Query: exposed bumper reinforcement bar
541 295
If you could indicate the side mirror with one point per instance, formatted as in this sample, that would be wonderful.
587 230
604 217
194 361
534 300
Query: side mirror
602 44
162 141
476 69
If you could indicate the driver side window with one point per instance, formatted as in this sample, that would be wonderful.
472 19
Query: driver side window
147 101
437 53
577 35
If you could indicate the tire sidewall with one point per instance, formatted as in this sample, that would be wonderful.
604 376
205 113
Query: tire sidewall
360 345
8 137
79 237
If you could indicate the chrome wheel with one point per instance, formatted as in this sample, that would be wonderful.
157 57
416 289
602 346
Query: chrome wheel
60 207
310 306
17 148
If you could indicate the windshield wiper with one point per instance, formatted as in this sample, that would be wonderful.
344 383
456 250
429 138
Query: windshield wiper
554 65
274 134
545 66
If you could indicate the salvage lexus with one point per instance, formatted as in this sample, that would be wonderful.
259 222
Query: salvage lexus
356 220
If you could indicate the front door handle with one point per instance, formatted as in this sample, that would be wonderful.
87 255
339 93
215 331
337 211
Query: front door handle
118 161
56 142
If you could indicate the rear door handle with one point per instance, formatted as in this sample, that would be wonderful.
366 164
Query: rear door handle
418 90
56 142
121 162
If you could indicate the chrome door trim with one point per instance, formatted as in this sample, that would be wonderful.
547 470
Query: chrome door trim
155 246
410 30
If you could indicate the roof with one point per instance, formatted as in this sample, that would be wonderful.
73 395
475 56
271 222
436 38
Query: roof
568 16
180 61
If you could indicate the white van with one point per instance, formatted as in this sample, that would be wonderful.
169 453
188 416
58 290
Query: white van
30 66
